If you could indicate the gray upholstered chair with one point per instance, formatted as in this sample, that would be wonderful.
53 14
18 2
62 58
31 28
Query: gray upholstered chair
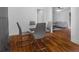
39 31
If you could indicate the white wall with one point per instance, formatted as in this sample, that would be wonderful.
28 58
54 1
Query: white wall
75 24
23 15
62 16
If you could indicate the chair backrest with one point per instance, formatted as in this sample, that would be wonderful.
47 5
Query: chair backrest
20 30
40 30
41 27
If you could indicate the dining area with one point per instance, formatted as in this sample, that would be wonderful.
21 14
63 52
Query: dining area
42 24
34 40
39 29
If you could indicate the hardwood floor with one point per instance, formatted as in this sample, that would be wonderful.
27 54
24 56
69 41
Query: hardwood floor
58 41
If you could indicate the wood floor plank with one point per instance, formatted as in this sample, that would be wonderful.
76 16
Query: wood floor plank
58 41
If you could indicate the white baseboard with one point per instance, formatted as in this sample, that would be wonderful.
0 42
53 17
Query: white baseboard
75 41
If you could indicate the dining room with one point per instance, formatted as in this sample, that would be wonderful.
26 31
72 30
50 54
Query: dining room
37 29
